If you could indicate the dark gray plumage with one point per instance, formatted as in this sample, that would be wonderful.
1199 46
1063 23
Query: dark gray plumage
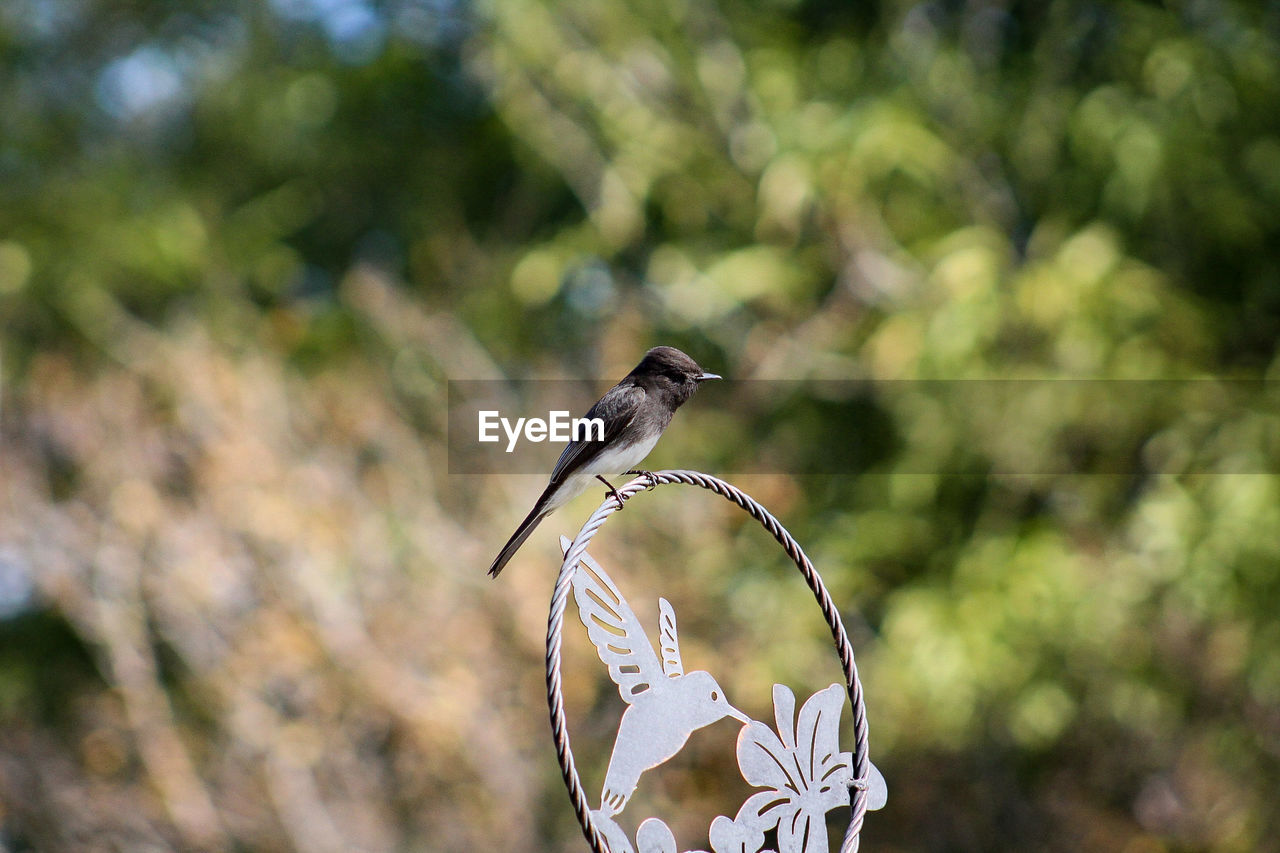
635 413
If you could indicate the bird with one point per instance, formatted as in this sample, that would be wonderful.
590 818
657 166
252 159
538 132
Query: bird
635 413
665 704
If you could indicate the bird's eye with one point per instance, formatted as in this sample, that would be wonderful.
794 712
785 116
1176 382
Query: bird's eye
715 696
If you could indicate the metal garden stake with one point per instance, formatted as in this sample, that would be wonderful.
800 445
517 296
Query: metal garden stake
796 763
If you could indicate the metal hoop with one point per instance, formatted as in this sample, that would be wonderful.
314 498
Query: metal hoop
555 626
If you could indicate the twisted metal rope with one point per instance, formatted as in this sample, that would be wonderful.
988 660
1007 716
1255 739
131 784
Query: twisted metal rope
555 625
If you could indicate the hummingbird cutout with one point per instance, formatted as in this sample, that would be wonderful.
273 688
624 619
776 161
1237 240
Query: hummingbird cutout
665 703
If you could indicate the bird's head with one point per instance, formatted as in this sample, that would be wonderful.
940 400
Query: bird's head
669 368
706 696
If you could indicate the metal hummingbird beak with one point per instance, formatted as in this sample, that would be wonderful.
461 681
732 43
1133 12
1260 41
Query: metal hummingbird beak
739 716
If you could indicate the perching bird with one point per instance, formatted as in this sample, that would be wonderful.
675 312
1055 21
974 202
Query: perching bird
665 704
635 412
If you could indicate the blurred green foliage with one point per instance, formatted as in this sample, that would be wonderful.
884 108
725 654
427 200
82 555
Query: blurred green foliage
243 246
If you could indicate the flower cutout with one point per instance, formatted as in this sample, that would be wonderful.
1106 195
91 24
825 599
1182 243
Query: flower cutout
801 766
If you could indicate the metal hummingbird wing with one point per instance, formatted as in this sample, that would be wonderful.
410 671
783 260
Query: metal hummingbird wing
672 666
614 629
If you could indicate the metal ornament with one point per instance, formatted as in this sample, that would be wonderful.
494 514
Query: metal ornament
666 704
797 763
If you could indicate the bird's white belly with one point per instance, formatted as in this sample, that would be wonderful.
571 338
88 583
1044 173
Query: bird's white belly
610 463
616 460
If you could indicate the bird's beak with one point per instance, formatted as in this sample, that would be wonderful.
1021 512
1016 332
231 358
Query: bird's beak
738 715
704 377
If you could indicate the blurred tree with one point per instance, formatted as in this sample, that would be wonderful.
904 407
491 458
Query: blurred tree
243 246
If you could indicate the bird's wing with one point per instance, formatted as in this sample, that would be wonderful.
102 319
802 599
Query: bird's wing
672 666
616 408
614 629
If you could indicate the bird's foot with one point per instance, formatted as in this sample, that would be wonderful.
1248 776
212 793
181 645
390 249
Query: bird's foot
648 475
613 493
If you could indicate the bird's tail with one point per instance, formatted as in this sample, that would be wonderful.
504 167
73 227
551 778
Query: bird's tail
517 539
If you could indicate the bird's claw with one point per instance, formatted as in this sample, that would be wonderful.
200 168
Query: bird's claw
648 475
618 496
612 492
